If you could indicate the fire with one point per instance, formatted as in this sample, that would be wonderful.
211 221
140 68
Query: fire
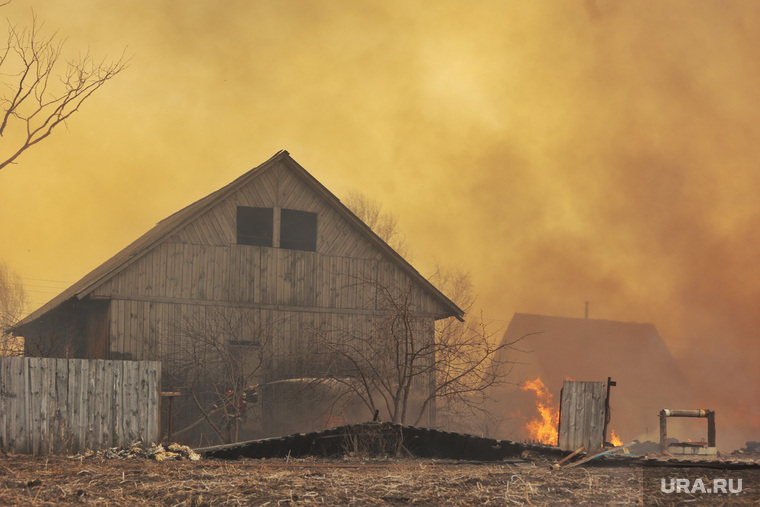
614 439
543 429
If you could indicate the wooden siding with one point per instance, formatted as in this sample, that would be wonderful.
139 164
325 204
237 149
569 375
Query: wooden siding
259 276
142 330
202 262
53 406
582 418
278 187
96 327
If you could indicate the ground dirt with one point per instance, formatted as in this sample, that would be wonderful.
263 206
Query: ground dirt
56 480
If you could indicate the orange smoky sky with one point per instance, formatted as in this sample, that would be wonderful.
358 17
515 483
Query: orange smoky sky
562 152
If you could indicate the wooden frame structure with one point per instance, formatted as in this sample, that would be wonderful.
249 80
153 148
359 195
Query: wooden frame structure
707 414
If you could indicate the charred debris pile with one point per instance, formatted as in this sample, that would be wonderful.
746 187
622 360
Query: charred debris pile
383 439
388 440
751 450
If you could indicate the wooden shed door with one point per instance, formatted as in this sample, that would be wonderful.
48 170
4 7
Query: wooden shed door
582 419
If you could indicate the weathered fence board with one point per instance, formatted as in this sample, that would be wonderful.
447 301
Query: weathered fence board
582 419
54 406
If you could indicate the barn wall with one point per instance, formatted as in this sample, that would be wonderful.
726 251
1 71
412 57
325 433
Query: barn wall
286 348
55 334
201 268
74 329
96 328
260 276
142 330
279 187
202 262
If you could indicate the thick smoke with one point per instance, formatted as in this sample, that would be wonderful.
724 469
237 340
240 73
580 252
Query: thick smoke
560 151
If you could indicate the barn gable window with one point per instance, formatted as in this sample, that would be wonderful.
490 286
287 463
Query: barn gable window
255 226
298 230
275 227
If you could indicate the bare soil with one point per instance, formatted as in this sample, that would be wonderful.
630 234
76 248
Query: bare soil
56 480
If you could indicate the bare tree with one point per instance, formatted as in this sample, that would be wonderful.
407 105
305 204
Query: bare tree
465 411
40 91
397 365
464 361
215 357
382 223
12 304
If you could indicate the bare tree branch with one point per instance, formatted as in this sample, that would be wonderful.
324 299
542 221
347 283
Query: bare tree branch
382 223
215 356
394 361
35 97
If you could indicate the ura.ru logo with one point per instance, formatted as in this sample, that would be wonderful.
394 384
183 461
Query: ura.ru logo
724 486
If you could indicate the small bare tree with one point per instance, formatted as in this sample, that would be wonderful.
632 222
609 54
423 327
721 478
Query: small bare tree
12 304
468 411
382 223
464 361
214 356
40 91
396 364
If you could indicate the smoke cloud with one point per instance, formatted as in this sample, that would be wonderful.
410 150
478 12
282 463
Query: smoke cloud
561 151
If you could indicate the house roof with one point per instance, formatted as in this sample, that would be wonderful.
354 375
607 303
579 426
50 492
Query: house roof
632 354
592 349
176 221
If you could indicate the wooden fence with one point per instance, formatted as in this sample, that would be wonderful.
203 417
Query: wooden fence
57 406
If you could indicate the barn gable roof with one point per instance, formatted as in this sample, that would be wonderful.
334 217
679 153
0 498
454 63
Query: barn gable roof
181 218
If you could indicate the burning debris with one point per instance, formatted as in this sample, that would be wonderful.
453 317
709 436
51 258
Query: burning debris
544 428
750 450
137 450
615 440
637 448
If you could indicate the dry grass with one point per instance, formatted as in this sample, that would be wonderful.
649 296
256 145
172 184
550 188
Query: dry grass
28 480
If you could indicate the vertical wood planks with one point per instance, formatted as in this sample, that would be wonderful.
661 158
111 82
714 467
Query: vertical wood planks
79 395
32 380
69 405
583 414
9 400
61 414
132 406
117 402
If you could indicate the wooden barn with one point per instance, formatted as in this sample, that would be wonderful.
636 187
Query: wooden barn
258 271
557 349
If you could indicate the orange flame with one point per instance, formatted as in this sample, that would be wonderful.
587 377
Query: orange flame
544 428
614 439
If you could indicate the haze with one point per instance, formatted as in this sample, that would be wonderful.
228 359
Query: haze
562 152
